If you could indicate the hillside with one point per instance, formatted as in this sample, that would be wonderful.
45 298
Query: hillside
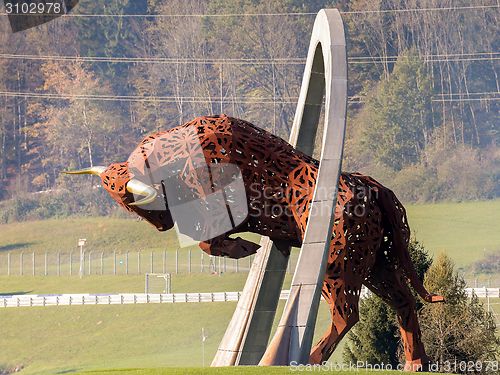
466 231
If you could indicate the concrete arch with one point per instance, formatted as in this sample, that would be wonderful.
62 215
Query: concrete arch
245 340
325 72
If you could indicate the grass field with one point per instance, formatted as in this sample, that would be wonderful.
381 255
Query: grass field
465 231
250 370
69 339
83 338
121 284
79 338
101 233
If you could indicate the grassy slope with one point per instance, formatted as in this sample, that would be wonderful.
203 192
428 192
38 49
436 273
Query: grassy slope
464 230
48 340
97 337
118 284
106 234
222 371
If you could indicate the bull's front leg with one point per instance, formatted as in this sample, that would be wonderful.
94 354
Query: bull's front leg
230 247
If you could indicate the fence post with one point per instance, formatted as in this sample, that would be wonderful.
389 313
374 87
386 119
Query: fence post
71 263
82 262
189 261
151 265
58 263
114 262
102 262
21 256
164 261
176 260
219 269
33 261
8 264
237 266
126 263
224 262
138 262
90 262
45 264
235 262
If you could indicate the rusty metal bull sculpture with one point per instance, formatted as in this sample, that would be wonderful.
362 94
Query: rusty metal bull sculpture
369 244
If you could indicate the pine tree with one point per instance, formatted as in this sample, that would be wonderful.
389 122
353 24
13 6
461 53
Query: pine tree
458 331
401 114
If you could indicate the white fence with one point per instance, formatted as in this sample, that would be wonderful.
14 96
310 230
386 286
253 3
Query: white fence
483 292
114 299
93 262
27 300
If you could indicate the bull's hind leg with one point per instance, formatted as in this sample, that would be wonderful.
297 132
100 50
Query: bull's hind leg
342 297
390 285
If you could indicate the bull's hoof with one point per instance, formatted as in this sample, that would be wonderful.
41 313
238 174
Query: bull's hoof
417 365
315 357
433 298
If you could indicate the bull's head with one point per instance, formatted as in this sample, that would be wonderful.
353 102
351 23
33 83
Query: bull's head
170 177
132 193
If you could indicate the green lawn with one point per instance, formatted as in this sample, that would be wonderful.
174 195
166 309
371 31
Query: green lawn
106 234
80 338
225 371
83 338
67 339
465 231
229 282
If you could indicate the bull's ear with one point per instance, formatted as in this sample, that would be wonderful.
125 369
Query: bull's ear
97 170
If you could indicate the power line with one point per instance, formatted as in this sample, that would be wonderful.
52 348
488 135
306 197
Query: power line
162 60
469 93
293 14
384 61
136 98
477 56
227 100
470 7
467 100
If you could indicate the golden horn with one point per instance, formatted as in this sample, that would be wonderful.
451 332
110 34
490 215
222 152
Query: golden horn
140 188
97 170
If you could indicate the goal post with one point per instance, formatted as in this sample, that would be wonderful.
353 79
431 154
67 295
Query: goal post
158 283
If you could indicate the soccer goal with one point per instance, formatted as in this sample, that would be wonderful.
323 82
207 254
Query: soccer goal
158 283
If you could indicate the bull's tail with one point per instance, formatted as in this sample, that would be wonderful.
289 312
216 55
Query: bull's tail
395 216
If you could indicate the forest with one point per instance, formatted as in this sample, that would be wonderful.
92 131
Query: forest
84 89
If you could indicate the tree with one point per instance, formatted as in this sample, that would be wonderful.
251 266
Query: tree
460 330
375 339
76 131
401 114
